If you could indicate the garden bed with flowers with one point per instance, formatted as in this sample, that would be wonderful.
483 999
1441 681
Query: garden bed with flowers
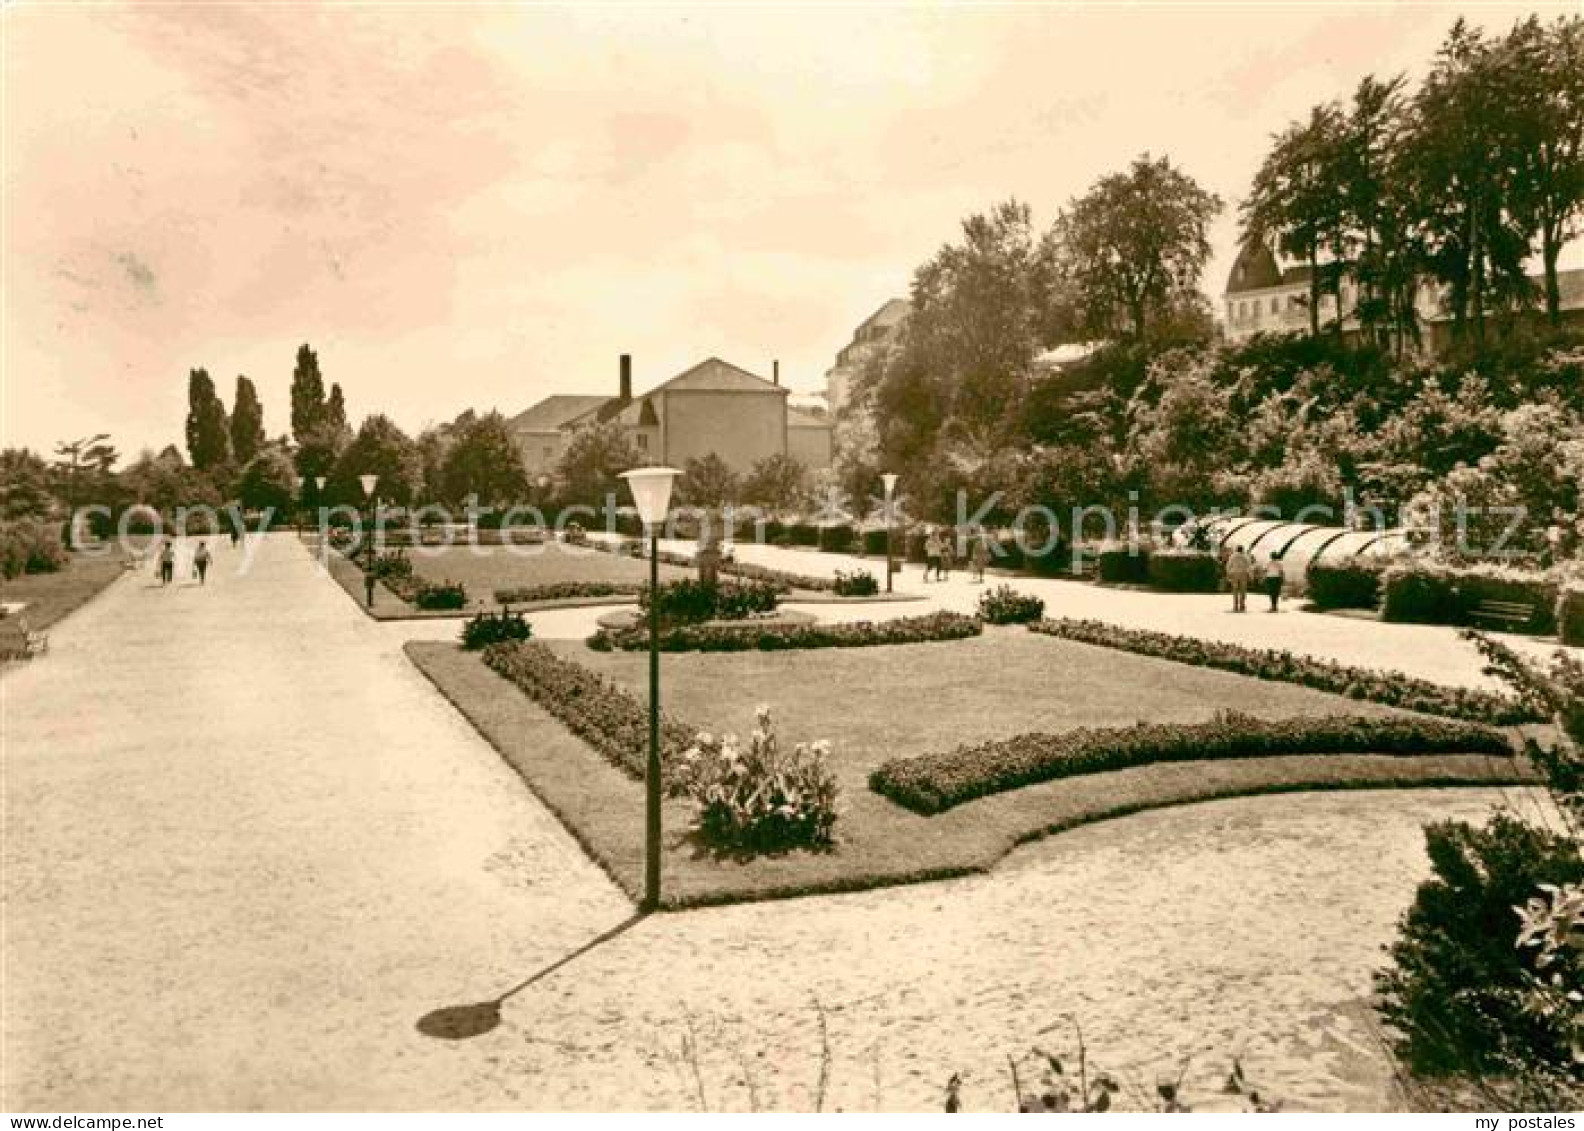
575 728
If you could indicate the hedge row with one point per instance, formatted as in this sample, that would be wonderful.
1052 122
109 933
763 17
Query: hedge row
564 590
1352 584
1430 593
785 637
933 783
1393 689
1570 616
591 707
1183 571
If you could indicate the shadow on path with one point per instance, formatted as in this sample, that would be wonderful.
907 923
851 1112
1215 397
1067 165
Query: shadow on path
462 1022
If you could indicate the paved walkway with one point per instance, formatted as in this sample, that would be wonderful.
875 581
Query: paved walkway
246 847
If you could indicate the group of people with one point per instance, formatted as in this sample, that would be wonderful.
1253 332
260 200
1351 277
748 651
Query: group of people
939 553
165 561
1239 568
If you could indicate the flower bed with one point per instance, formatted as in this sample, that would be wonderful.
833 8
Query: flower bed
1391 688
781 579
933 783
566 590
1005 605
858 583
591 707
689 601
445 595
775 638
494 628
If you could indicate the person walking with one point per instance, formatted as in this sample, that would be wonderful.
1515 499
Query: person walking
1274 576
981 556
236 535
932 552
948 551
167 563
201 562
1239 568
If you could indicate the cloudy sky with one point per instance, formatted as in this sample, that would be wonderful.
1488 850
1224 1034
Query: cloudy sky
474 206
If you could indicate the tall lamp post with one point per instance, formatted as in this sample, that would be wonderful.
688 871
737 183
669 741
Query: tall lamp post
890 481
368 482
651 492
297 483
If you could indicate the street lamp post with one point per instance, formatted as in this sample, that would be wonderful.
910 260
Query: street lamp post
368 482
890 481
651 491
297 485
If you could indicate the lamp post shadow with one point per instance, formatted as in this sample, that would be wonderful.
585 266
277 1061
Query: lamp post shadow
463 1022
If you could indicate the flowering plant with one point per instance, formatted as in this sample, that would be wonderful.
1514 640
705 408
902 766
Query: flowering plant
760 797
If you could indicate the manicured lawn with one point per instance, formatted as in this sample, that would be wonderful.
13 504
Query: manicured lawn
51 596
882 702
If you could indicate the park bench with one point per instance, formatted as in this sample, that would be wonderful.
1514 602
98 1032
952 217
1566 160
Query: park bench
1511 614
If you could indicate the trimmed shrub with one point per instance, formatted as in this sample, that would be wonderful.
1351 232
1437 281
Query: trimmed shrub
606 717
689 601
1354 584
30 546
1423 592
1183 571
566 590
494 628
936 782
782 637
803 534
760 798
390 566
1570 615
1455 990
1123 564
858 583
837 538
1394 689
1005 605
445 595
874 543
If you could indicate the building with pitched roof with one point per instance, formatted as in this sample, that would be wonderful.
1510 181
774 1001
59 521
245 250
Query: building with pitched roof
871 338
712 408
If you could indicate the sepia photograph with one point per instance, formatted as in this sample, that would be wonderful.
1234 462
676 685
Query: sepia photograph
791 557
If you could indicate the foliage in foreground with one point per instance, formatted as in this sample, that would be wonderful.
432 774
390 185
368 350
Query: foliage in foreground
760 797
30 546
494 628
785 637
931 783
1394 689
1005 605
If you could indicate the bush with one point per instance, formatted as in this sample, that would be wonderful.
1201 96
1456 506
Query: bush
1005 605
1123 564
388 567
874 543
1391 688
782 637
1570 615
1354 584
566 590
803 534
689 601
446 595
591 707
1183 571
1424 592
932 783
1455 989
837 538
30 546
760 798
494 628
858 583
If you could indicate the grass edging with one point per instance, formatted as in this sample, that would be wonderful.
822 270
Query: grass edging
602 808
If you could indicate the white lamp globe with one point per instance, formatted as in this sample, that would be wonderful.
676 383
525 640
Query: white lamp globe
368 482
890 481
651 492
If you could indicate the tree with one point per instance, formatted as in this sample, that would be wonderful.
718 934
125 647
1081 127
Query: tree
380 448
594 456
307 396
268 482
778 483
247 422
82 464
208 433
1135 241
484 461
24 485
707 481
335 416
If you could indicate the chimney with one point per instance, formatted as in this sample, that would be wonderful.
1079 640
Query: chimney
626 377
775 371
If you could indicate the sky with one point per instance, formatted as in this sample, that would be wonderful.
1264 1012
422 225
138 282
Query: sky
475 206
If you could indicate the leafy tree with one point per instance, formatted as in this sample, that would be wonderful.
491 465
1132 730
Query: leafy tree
1135 241
268 482
778 483
24 485
707 481
335 416
208 433
484 460
380 448
594 457
307 396
83 467
247 422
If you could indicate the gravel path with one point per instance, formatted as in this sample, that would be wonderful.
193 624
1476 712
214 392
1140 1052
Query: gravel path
247 848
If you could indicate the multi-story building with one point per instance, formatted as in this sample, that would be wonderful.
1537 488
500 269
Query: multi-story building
871 337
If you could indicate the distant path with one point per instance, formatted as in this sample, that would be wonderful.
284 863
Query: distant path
246 847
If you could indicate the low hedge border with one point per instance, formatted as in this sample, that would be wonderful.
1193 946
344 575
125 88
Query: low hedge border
782 579
929 628
566 590
933 783
1394 689
1354 584
591 707
1421 592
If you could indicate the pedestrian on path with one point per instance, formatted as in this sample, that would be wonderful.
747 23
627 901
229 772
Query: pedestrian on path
1239 568
167 563
1274 575
932 552
236 535
981 556
948 551
201 562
